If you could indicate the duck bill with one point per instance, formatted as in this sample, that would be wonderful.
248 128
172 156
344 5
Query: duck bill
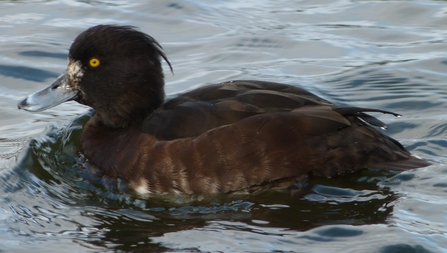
57 93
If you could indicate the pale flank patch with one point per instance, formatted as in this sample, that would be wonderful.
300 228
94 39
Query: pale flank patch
141 187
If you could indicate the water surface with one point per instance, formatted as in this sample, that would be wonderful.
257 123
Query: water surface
380 54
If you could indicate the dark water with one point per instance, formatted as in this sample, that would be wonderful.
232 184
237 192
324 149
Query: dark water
390 55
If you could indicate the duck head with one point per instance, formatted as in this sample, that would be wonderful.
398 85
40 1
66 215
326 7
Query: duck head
114 69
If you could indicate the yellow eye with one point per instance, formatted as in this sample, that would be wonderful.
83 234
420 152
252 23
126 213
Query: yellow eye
94 62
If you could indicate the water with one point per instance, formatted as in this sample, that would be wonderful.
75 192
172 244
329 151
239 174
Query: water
381 54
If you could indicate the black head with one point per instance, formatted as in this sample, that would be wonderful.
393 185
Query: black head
114 69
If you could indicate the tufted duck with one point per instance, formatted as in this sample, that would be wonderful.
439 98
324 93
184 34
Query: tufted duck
219 138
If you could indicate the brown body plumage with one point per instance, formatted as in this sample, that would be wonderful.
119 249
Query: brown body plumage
238 134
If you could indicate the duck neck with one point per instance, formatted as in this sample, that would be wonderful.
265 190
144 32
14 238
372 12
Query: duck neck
133 106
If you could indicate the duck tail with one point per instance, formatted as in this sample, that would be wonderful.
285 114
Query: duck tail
411 162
